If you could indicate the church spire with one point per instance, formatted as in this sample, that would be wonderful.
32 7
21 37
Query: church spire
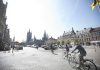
34 38
72 32
45 36
14 39
72 29
29 30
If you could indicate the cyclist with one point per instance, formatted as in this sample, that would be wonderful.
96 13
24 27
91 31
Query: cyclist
82 52
51 48
67 50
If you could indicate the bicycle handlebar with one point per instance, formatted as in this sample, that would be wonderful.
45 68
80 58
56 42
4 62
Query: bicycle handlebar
75 52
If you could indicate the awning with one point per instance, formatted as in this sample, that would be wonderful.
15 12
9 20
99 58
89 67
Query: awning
94 41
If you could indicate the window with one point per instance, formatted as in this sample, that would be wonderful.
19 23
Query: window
95 38
97 34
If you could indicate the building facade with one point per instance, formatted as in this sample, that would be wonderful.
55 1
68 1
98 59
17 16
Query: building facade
67 37
51 41
95 36
85 36
4 31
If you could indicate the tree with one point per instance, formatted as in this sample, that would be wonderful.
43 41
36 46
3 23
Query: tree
58 43
76 41
63 42
67 42
95 3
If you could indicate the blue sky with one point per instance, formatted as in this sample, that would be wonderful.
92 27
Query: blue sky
78 14
54 16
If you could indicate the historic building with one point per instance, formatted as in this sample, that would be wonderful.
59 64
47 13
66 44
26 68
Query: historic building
85 36
45 37
4 31
67 37
29 39
51 41
95 36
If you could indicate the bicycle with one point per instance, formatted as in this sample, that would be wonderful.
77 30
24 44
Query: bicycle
70 58
87 64
66 54
73 60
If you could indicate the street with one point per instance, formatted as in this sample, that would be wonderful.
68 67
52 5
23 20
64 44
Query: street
33 59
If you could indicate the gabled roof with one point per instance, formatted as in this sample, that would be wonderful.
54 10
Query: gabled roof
95 29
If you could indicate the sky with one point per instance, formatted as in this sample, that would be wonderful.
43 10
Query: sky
52 16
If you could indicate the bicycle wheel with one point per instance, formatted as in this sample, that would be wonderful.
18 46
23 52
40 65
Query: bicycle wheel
72 62
89 65
64 55
69 57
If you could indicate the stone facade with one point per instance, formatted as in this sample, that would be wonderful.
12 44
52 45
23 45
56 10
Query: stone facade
51 41
85 36
95 36
67 37
45 37
4 31
29 38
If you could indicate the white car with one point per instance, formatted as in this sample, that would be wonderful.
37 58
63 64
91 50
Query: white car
33 46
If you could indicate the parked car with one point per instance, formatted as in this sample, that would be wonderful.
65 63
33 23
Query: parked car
29 45
55 47
48 47
45 47
33 46
18 47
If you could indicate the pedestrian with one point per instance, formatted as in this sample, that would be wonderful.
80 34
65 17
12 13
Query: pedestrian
13 48
37 47
51 48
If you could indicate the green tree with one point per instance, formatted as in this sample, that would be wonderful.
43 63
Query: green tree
63 42
76 41
68 42
58 43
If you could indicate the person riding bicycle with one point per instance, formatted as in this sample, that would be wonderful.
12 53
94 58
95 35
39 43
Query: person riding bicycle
51 48
82 52
67 50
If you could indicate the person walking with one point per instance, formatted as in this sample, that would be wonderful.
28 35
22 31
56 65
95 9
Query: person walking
12 46
37 47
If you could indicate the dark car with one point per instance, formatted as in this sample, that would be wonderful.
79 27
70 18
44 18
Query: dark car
18 47
45 47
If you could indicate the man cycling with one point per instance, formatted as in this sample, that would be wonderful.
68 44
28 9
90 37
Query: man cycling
67 50
51 48
82 52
